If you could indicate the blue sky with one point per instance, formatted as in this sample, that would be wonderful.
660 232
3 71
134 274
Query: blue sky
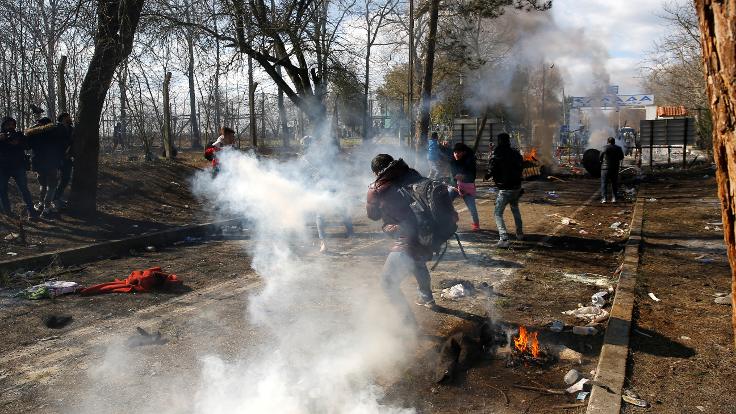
627 29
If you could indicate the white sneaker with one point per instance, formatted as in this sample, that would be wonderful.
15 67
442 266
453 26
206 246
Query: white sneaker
503 244
322 246
613 200
603 201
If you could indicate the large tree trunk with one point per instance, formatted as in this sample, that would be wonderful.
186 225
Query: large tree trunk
196 138
718 37
424 117
283 123
168 138
117 21
122 82
61 85
366 110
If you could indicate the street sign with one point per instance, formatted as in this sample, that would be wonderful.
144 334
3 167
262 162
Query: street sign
612 101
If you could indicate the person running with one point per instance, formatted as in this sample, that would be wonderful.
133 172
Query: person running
13 165
610 159
505 168
385 201
463 171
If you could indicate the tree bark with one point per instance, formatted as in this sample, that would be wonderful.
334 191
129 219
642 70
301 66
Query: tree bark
283 123
117 21
718 37
168 139
196 138
424 117
366 110
122 82
61 85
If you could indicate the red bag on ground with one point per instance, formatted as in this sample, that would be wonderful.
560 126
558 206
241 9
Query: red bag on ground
138 281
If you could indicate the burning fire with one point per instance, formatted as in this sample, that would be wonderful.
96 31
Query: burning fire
531 155
527 342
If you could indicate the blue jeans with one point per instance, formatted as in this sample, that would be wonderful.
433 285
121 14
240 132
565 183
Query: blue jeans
47 181
470 202
435 169
398 265
606 177
504 198
19 175
346 220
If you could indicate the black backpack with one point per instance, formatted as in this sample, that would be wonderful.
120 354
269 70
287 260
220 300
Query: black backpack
435 215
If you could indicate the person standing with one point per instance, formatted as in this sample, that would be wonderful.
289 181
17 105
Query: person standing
386 201
505 168
463 172
224 141
64 129
434 157
48 156
13 165
610 159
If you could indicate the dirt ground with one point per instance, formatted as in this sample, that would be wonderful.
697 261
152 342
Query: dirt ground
47 370
682 357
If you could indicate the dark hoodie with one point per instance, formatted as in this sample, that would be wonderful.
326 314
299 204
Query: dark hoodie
385 202
506 167
12 149
465 166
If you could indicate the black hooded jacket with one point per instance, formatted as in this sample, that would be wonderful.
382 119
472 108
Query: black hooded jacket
506 167
12 148
611 157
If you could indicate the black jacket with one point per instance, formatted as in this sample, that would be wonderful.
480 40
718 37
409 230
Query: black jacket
49 146
611 157
505 167
12 151
464 166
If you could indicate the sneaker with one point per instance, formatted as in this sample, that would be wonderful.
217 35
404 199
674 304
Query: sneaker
475 227
38 206
613 200
519 236
429 304
603 201
322 246
503 244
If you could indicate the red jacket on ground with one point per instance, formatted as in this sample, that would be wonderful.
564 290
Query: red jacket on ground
138 281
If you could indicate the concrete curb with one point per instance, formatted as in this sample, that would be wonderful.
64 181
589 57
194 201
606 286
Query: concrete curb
91 252
611 370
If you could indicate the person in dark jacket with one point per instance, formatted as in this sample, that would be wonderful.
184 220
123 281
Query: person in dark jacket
611 157
387 202
64 128
505 168
463 172
13 164
48 156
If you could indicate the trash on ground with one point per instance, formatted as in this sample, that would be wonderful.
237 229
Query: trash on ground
553 178
616 225
557 326
723 300
150 248
652 199
600 299
633 399
589 313
12 236
50 289
572 376
583 232
11 253
578 386
582 395
584 330
568 221
138 281
57 321
144 338
654 298
455 292
720 294
564 353
685 338
552 194
588 279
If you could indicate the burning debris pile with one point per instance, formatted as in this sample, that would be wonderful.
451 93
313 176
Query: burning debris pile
527 351
531 165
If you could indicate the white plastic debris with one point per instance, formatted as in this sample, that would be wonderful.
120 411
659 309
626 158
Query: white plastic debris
584 330
589 313
599 299
616 225
454 292
572 376
11 253
582 395
568 221
654 298
633 399
652 199
723 300
60 287
578 386
150 248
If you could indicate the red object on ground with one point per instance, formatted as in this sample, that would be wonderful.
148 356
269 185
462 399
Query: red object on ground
138 281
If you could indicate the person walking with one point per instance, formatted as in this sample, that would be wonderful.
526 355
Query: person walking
386 201
610 159
505 168
48 156
13 165
463 172
64 128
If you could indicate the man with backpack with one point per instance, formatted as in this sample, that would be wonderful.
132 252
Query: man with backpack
417 213
505 168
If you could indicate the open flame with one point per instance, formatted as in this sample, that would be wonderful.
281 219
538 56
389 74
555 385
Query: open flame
527 342
531 155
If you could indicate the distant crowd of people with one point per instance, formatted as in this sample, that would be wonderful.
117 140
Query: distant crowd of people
44 149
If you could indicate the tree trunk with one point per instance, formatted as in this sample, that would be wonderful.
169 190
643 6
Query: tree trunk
252 105
50 81
61 85
366 111
424 117
117 22
718 37
335 123
168 139
263 114
284 126
122 82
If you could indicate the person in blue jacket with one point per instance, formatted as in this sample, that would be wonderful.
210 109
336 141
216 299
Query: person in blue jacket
434 157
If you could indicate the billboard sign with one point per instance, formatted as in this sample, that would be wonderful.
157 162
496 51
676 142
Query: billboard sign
612 101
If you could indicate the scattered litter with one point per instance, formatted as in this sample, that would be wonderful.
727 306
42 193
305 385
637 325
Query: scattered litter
135 225
723 300
144 338
584 330
137 281
11 253
455 292
588 279
704 259
685 338
49 290
175 183
572 376
566 354
57 322
150 248
589 313
49 338
700 407
616 225
568 221
599 299
716 223
583 232
557 326
553 178
654 298
12 236
652 199
642 333
552 194
578 386
719 294
633 399
582 395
